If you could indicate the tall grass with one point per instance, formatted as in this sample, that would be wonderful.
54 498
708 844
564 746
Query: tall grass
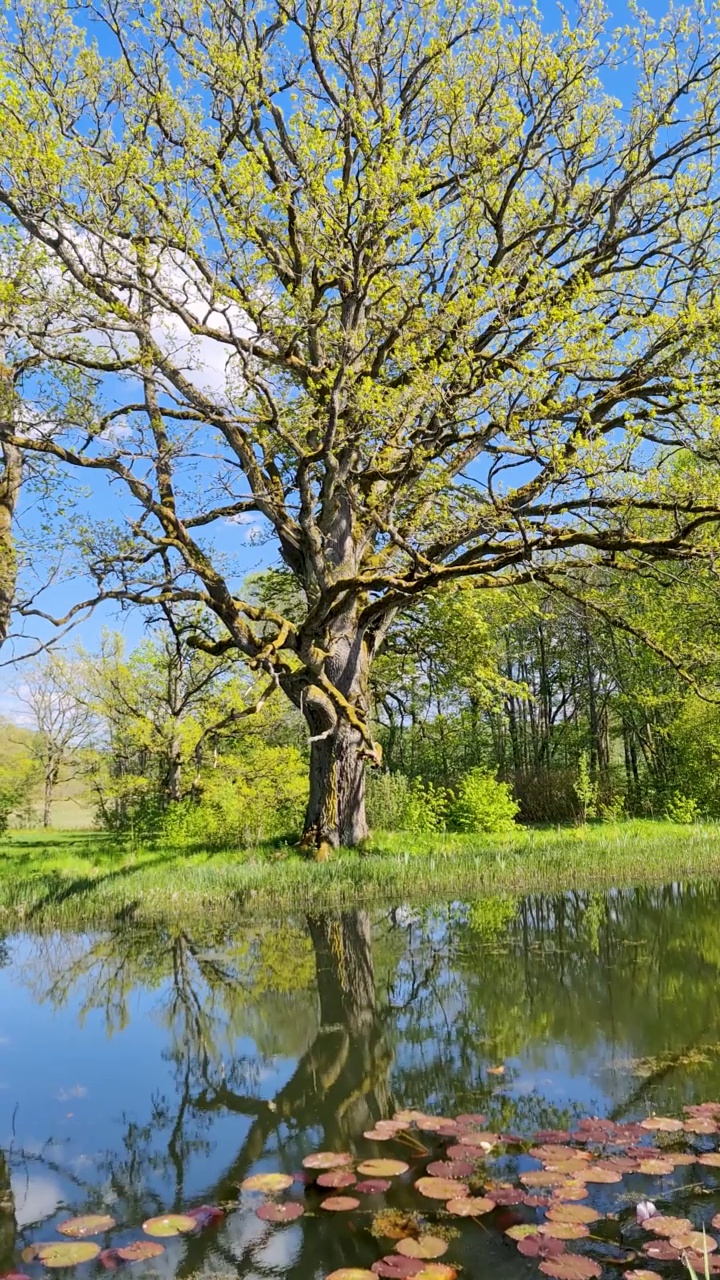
84 879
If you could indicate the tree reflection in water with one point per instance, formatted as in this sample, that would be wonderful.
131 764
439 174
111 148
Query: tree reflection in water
366 1014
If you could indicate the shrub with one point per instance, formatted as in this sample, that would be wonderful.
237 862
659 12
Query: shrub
682 809
244 801
586 789
483 804
398 803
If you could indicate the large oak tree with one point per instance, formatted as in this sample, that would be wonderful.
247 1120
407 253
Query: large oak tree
465 302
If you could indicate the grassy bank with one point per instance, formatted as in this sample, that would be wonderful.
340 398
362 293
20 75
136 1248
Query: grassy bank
82 878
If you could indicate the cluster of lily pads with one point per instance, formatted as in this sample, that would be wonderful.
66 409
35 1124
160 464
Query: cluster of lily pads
80 1248
535 1193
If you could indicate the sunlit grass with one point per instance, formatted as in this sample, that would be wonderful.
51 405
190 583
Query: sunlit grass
84 878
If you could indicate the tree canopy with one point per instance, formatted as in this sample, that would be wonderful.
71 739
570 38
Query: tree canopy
406 282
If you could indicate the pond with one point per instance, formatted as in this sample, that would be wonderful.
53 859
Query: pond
144 1072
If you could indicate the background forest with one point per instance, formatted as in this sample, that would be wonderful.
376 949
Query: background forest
530 706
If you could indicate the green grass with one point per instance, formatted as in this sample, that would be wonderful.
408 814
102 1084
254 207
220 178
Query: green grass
84 879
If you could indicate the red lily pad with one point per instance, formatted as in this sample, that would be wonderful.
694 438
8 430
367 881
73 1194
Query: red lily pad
441 1188
205 1215
424 1247
571 1267
373 1186
109 1259
327 1160
272 1211
505 1196
539 1246
642 1275
383 1168
451 1169
698 1263
336 1178
395 1267
268 1183
661 1250
700 1124
486 1141
340 1204
140 1250
471 1119
557 1152
90 1224
67 1254
170 1224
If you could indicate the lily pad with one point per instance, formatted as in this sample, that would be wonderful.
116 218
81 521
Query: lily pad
423 1247
336 1178
268 1183
451 1169
571 1191
522 1229
395 1267
373 1186
697 1241
593 1173
272 1211
505 1196
170 1224
470 1206
657 1166
436 1271
486 1141
642 1275
570 1267
699 1264
711 1158
542 1178
340 1204
661 1124
576 1165
31 1252
140 1251
573 1213
351 1273
327 1160
206 1214
441 1188
383 1168
91 1224
565 1230
67 1254
660 1225
539 1246
661 1250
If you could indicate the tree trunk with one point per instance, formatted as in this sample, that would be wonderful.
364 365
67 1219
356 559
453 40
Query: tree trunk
51 778
174 772
10 482
336 806
8 1227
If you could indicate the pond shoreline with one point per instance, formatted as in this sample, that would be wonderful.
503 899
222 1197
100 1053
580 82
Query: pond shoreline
86 879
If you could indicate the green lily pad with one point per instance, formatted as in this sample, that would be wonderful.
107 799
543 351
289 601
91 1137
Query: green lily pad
91 1224
140 1250
267 1182
170 1224
67 1254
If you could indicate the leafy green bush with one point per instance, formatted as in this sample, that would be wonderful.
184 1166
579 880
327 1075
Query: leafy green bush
682 809
398 803
482 803
243 802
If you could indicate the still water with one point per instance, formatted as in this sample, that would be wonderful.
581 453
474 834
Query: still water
145 1071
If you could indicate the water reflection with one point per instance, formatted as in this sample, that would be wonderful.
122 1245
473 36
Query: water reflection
283 1037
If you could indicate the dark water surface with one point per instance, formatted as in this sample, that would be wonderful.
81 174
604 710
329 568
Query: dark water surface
143 1071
